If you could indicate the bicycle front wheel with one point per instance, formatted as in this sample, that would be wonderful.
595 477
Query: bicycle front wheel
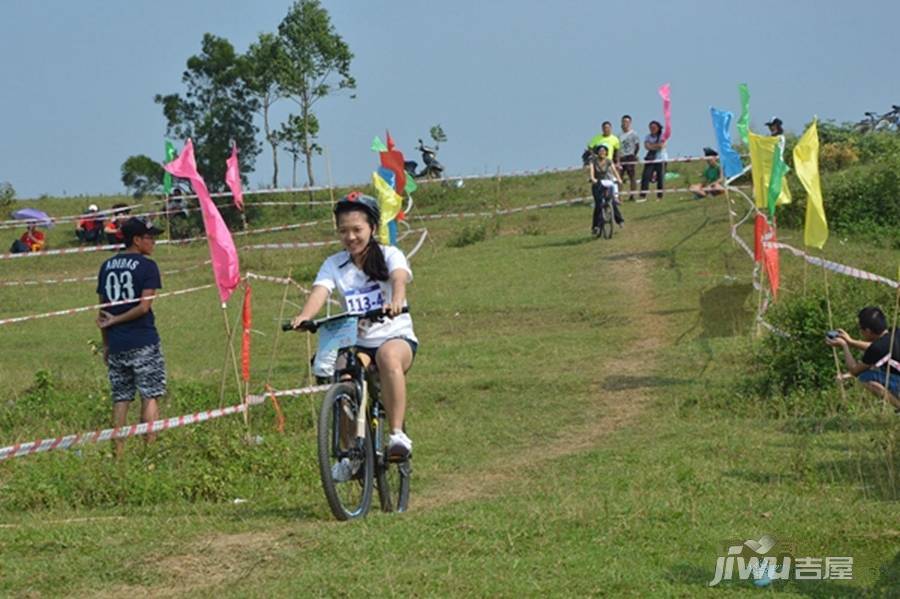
607 229
391 477
346 464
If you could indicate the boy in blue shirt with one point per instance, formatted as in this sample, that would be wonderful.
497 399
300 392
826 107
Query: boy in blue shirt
131 346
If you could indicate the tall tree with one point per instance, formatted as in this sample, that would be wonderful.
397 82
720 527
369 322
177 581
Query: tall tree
291 134
141 174
216 109
318 65
266 61
7 194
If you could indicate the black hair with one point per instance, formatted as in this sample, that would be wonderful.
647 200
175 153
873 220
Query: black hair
872 318
627 116
606 123
374 264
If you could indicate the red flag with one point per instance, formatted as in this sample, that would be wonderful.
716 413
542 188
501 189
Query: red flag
247 318
393 161
233 179
760 228
224 256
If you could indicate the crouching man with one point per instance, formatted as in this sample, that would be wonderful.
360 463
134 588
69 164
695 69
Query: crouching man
879 368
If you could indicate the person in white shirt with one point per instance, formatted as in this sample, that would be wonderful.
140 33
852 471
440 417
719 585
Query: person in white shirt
369 276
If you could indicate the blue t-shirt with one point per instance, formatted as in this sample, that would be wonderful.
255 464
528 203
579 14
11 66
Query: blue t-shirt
125 277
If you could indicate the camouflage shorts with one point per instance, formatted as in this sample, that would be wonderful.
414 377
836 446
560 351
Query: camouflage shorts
141 370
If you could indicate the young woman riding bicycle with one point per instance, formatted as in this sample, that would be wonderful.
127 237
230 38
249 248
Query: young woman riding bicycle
368 276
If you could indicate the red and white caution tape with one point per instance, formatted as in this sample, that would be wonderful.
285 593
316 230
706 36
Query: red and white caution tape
22 449
257 399
43 445
88 278
16 319
850 271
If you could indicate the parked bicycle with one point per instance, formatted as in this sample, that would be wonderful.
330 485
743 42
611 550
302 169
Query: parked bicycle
353 433
889 121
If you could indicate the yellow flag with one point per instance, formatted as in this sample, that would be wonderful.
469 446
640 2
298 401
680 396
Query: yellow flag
806 165
762 151
390 202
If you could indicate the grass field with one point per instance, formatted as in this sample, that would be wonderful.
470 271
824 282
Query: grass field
577 424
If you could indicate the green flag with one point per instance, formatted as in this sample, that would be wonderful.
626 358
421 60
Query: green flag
171 154
410 184
779 170
378 145
743 123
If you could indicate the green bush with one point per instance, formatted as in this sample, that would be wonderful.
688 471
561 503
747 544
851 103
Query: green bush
795 374
472 233
859 199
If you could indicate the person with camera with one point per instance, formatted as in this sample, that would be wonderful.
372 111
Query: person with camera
879 368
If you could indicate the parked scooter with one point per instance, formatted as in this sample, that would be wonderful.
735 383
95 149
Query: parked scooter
432 169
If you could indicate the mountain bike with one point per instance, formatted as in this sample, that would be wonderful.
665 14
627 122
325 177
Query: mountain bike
607 214
352 426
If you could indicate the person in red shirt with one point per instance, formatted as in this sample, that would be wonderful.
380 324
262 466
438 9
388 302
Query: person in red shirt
113 228
89 227
33 239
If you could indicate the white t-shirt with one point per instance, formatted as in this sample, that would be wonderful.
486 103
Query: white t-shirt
361 294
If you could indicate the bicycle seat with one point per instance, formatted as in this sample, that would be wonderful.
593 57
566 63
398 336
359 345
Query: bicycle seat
871 114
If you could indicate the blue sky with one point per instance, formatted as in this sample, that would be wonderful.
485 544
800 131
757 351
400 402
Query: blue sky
516 85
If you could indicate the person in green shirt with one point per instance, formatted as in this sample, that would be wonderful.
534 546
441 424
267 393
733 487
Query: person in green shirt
712 183
609 140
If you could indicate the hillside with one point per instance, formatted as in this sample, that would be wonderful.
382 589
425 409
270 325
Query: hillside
575 404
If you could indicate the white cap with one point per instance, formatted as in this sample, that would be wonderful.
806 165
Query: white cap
93 208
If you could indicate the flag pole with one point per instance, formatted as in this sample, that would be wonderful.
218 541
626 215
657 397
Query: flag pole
887 372
837 363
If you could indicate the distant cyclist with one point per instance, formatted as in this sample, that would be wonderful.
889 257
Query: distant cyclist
369 276
605 180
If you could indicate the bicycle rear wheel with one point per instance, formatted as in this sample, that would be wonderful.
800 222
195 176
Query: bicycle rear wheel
391 477
607 229
336 439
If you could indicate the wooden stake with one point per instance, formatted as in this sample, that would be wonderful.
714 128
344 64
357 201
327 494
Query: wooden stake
229 336
277 335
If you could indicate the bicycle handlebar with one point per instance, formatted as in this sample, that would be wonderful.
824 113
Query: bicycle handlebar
313 325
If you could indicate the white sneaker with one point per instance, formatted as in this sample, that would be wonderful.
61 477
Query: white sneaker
399 446
344 470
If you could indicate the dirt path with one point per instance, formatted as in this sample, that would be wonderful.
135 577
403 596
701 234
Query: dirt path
621 396
620 401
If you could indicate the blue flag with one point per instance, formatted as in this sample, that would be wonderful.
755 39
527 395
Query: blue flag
731 161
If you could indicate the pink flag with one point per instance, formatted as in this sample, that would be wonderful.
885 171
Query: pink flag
221 246
665 94
233 179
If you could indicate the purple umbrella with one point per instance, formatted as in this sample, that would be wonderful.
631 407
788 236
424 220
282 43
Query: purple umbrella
33 214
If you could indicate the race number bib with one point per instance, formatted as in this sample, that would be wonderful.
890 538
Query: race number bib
364 299
332 337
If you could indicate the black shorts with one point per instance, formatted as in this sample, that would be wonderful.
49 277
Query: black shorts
371 351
